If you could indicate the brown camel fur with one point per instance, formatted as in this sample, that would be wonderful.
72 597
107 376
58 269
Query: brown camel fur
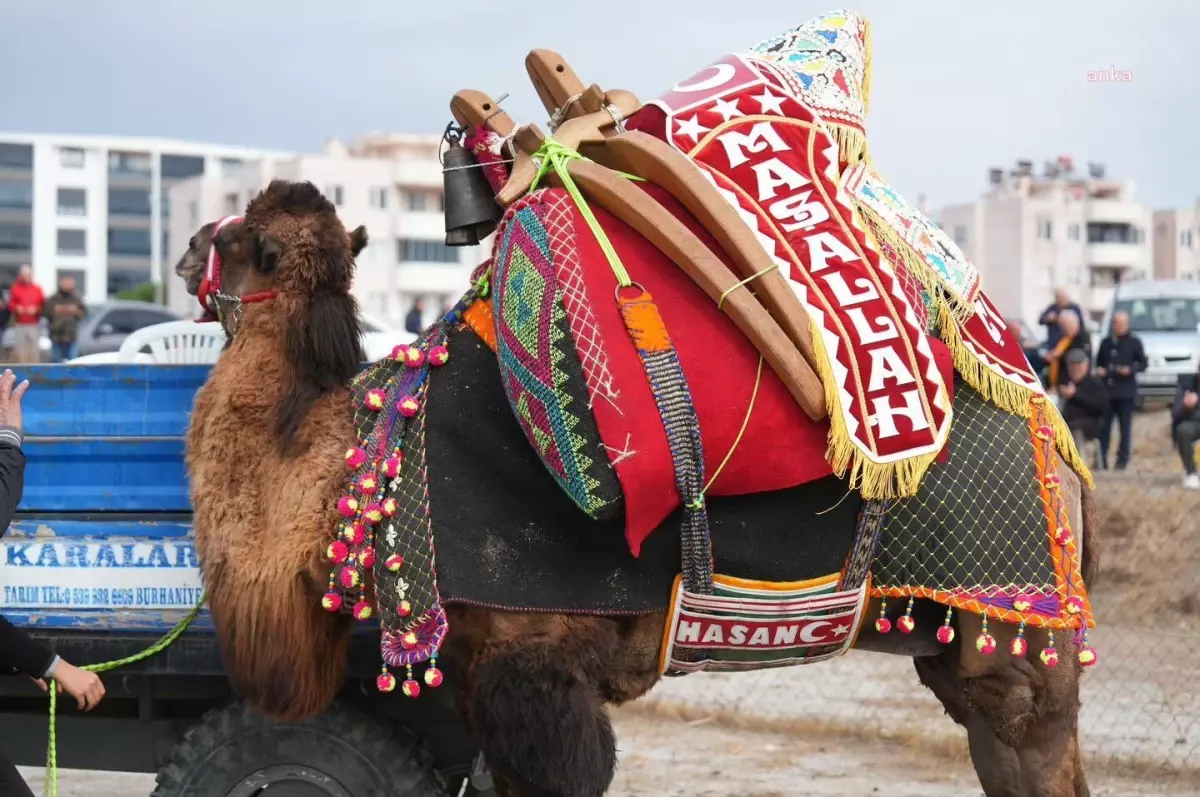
536 684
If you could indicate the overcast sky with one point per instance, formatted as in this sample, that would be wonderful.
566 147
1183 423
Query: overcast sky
958 86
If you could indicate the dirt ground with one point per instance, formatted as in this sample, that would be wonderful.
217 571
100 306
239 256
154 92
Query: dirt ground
664 756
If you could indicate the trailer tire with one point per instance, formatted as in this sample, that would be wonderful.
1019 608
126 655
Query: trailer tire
236 752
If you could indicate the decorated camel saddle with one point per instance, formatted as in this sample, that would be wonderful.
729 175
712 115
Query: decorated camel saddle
716 294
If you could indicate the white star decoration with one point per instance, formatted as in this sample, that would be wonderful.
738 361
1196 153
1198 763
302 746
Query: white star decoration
841 630
769 102
727 108
691 128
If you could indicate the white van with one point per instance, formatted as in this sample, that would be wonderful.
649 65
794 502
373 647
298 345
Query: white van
1165 314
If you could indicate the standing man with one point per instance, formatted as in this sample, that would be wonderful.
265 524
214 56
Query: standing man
1185 426
25 300
1120 359
413 321
64 311
1050 316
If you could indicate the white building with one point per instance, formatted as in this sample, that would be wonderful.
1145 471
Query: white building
1177 243
1031 233
95 207
390 183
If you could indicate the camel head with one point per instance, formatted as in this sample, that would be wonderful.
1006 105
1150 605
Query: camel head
190 267
292 247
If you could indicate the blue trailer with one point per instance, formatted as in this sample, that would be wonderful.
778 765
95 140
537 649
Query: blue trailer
100 563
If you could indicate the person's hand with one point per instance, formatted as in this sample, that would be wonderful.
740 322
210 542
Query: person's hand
10 399
1067 390
1190 399
41 683
1052 355
1101 372
1124 370
1051 317
86 687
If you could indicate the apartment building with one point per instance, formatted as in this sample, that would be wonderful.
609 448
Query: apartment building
1177 243
96 207
390 183
1031 232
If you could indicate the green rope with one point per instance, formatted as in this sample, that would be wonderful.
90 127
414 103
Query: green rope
552 155
50 787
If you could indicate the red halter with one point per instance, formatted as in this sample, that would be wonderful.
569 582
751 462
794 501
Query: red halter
210 285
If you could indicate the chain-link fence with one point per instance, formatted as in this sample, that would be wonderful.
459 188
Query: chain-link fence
1141 703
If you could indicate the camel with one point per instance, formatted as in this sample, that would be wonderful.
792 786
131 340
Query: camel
265 453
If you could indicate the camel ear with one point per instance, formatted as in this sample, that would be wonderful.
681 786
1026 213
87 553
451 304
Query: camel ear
358 239
268 254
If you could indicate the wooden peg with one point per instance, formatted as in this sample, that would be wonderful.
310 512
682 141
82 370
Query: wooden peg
474 109
553 79
645 156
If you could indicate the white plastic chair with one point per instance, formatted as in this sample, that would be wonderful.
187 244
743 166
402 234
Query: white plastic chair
175 342
108 358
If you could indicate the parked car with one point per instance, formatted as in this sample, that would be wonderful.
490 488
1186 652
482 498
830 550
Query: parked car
379 339
1165 314
107 325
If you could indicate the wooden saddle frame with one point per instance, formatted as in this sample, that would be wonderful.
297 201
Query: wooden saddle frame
590 120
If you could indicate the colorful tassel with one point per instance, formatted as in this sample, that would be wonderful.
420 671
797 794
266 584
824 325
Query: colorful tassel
400 352
389 506
353 534
373 514
945 632
375 399
367 558
391 466
433 676
366 483
1087 654
410 687
883 625
906 624
331 601
347 506
350 578
394 562
1049 655
414 357
1074 604
337 551
985 643
438 356
362 610
1019 647
408 406
385 681
404 609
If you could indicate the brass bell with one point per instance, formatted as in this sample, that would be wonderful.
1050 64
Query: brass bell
471 209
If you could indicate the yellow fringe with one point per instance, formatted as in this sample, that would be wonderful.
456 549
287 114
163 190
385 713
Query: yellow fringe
1006 394
873 479
852 143
924 273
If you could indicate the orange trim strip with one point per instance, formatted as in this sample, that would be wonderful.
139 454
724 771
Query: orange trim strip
479 318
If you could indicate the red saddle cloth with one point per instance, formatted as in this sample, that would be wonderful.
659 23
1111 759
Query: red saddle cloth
780 448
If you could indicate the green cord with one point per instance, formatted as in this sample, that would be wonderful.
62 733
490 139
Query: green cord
552 155
50 787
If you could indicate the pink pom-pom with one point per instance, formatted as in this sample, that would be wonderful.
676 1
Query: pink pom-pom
349 578
355 457
366 483
1051 482
1018 647
985 644
906 624
404 609
385 682
1022 605
399 352
374 400
362 611
337 551
389 506
410 688
1074 604
1045 433
331 601
347 505
373 514
1062 535
394 562
438 356
353 534
367 558
391 467
945 634
409 640
883 625
433 677
414 357
1088 657
1049 657
408 406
